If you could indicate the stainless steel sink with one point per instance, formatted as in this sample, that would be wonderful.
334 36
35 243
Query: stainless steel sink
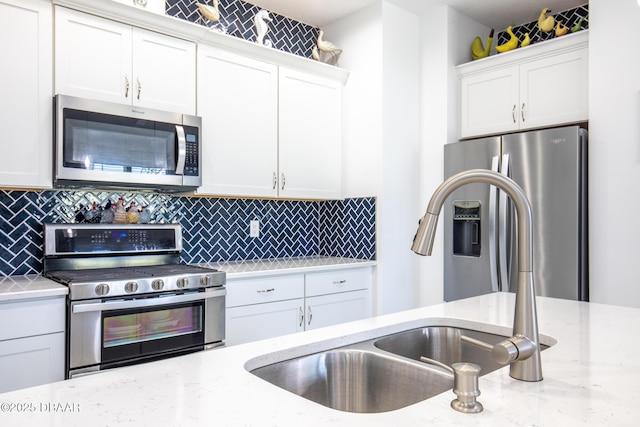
384 373
444 344
357 380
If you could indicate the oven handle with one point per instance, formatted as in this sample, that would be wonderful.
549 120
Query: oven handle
147 302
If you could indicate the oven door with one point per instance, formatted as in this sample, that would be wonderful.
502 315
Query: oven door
111 333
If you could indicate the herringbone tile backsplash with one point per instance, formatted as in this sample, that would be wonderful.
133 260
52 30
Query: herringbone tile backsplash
236 19
214 229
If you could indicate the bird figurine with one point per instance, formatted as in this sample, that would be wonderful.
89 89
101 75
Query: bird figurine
526 41
120 215
144 216
212 14
132 213
332 51
108 213
478 51
93 215
314 52
545 23
325 45
578 26
561 30
511 44
260 20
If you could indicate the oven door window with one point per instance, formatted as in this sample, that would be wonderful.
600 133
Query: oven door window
144 332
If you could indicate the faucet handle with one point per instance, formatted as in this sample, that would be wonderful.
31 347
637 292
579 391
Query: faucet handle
512 349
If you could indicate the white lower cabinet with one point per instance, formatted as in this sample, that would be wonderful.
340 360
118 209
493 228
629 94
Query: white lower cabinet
267 307
260 321
32 342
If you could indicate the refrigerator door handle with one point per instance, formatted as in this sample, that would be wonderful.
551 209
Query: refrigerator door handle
503 217
493 241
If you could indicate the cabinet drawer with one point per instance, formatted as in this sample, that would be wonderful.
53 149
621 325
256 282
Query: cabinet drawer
31 317
337 281
256 291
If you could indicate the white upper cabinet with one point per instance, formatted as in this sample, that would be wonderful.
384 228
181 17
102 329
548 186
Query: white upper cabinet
538 86
105 60
310 136
268 130
238 100
26 86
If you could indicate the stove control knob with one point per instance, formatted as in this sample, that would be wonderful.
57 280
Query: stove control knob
102 289
130 287
157 284
183 282
205 280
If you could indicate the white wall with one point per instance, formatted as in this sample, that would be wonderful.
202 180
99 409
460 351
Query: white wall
614 150
381 137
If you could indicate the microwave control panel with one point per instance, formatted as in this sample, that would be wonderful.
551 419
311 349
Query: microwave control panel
192 159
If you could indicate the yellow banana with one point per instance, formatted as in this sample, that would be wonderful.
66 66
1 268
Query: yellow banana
477 50
526 41
509 45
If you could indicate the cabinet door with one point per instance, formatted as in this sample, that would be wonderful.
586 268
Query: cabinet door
261 321
489 102
31 361
26 85
92 57
164 72
310 133
328 310
238 102
553 90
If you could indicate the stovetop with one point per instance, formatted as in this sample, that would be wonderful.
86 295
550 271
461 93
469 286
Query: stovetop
131 281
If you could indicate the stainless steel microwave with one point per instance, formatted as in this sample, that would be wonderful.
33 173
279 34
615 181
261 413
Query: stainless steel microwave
107 145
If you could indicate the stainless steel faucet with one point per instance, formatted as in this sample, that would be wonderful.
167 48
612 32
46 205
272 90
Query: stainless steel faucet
522 350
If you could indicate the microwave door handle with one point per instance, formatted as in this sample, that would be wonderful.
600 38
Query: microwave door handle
182 150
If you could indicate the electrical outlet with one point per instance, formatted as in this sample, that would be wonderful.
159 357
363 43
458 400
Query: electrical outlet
254 228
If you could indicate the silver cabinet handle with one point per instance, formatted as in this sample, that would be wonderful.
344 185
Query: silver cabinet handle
339 282
522 111
139 87
310 315
513 113
284 181
126 86
301 316
275 180
264 291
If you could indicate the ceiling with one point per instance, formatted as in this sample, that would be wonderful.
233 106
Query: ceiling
492 13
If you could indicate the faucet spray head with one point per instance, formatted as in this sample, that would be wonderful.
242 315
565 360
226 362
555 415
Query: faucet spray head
425 236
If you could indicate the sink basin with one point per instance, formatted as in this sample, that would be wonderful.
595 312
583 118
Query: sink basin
384 373
444 344
357 380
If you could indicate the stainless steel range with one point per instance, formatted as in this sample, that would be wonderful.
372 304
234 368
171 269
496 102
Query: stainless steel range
130 299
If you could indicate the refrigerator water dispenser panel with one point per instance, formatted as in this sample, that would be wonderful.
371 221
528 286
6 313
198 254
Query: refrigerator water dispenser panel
466 228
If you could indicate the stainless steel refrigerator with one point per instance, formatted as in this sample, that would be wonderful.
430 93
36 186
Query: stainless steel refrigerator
479 249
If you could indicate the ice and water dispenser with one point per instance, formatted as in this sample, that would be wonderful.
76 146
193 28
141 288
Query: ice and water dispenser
466 228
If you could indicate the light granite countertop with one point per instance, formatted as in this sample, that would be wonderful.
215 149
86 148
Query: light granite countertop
13 288
277 266
591 378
